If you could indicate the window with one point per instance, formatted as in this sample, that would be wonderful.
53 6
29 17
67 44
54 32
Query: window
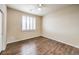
28 23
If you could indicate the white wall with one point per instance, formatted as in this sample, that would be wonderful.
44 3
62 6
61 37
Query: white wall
4 9
14 30
63 25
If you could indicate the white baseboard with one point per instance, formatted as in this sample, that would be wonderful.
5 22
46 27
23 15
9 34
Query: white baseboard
20 39
76 46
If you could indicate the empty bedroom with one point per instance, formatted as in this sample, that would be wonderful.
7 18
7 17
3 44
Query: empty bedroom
39 29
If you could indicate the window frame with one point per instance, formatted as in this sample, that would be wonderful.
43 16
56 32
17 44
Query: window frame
33 30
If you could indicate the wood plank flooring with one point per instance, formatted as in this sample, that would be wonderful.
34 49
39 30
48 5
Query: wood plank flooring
39 46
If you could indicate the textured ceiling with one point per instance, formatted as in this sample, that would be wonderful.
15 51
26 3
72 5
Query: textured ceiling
31 8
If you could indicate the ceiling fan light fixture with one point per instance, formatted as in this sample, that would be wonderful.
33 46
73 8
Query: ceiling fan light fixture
40 5
39 9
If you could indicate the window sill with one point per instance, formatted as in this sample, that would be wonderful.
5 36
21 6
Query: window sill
28 30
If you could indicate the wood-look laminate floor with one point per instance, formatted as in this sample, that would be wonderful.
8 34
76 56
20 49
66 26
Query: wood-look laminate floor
39 46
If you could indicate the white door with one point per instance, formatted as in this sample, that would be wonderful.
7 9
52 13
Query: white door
0 31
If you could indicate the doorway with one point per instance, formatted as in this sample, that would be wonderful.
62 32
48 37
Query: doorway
1 17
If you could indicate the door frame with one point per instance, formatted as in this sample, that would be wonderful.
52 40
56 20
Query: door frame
2 27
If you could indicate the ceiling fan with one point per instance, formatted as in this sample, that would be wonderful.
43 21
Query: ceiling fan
38 7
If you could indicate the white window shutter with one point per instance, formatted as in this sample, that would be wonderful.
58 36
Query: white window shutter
28 23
